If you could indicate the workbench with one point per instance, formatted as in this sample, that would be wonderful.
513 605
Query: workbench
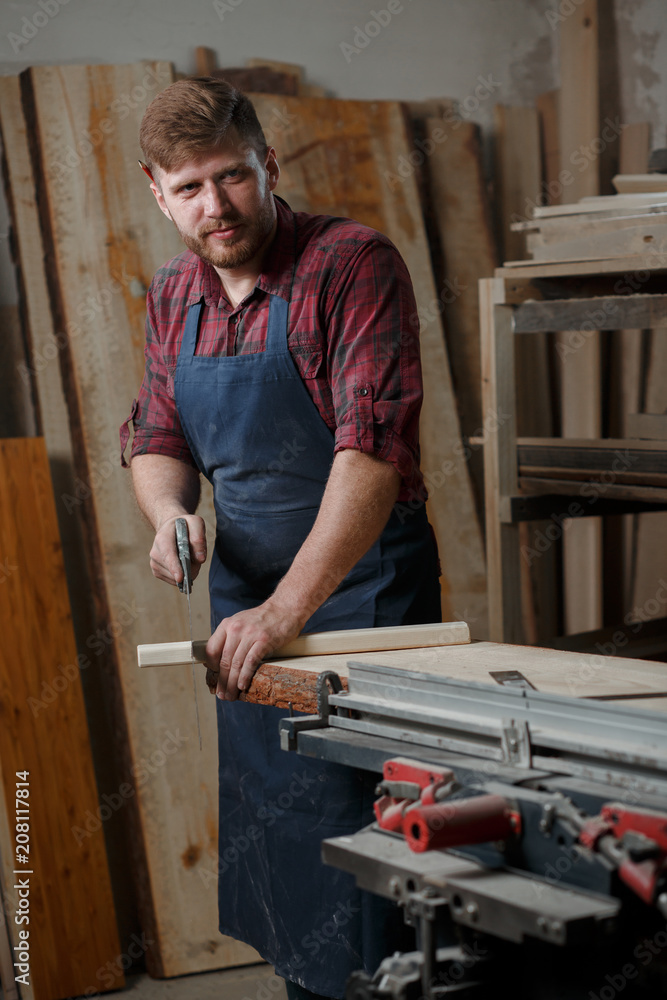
522 482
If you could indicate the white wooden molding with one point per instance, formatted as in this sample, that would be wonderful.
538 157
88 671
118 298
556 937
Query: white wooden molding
356 640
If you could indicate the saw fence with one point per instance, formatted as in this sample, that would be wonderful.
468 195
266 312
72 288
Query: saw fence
86 239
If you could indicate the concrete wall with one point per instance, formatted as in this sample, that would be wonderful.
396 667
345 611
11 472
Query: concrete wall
412 49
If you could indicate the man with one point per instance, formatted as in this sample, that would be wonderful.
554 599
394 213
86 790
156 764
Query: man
282 362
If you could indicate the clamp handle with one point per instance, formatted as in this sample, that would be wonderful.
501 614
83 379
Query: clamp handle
183 546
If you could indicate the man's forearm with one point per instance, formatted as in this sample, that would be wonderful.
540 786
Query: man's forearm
164 487
358 499
360 494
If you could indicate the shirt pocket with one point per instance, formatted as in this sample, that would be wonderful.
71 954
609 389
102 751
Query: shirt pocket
308 360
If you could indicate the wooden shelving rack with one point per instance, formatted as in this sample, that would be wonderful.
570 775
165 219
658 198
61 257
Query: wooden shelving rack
534 479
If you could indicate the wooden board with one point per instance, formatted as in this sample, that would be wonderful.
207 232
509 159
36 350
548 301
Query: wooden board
518 172
351 640
261 79
640 183
457 190
519 184
104 239
43 730
342 158
580 372
578 675
548 111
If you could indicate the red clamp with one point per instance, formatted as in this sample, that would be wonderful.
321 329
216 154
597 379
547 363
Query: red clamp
642 836
412 804
405 783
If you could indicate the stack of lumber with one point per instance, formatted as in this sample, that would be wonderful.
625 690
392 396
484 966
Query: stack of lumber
53 864
597 228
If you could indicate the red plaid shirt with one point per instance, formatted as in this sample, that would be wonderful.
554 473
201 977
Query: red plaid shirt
353 335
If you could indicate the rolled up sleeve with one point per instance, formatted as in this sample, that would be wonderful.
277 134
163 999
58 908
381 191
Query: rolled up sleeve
157 428
373 359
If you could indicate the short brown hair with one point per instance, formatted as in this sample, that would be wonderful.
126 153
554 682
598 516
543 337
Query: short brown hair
193 116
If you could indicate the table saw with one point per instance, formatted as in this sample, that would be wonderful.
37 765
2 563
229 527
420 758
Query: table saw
522 830
521 812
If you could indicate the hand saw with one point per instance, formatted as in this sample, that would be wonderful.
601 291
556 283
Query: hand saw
185 587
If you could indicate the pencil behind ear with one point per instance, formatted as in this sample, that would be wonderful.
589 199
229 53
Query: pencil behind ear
145 169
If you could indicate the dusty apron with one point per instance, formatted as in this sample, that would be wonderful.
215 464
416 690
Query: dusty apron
256 434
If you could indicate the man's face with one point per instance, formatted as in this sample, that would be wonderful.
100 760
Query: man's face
221 203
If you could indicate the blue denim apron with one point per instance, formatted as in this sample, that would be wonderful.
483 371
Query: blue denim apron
257 435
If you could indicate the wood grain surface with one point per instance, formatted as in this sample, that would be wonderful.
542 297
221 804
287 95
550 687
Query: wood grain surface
43 730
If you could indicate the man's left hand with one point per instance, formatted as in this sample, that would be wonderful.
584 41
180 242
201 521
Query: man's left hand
240 644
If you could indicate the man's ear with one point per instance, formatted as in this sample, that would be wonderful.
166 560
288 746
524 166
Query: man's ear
272 168
159 197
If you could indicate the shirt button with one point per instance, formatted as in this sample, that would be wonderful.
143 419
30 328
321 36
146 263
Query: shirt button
363 392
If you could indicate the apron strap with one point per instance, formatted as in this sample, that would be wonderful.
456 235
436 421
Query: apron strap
191 331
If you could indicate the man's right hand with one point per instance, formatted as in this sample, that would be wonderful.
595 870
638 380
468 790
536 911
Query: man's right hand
165 563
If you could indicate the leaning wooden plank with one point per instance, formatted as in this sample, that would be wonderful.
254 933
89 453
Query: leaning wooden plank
47 770
343 158
547 109
651 529
261 78
520 187
580 370
104 240
628 356
518 172
580 675
352 640
458 193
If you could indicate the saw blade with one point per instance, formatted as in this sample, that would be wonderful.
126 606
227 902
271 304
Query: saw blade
194 678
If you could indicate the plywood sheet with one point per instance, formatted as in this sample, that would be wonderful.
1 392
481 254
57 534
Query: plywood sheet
43 730
343 158
104 240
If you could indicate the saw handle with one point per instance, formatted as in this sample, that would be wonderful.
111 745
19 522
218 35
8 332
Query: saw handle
183 547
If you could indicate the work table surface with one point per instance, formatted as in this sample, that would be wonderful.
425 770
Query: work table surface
639 683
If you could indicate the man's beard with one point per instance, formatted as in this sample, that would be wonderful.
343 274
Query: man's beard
231 254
